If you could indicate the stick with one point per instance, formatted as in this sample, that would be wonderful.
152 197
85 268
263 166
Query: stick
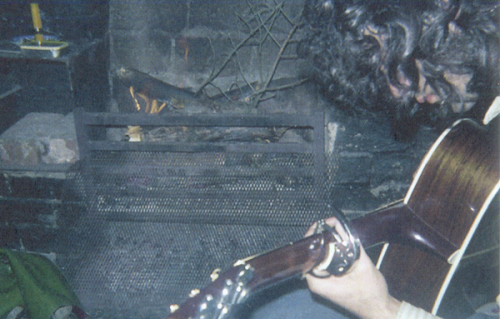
214 75
276 62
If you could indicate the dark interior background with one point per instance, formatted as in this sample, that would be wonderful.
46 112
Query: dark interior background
180 42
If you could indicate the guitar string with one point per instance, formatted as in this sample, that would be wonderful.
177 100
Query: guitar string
477 253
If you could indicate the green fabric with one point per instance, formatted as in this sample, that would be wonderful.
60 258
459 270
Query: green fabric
33 282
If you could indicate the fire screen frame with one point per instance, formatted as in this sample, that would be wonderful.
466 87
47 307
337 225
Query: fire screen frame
141 242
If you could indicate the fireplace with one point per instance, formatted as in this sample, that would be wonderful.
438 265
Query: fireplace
189 135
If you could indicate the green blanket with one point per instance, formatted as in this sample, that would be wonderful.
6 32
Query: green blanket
33 282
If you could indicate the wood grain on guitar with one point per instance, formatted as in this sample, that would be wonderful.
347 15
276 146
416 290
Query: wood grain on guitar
451 191
426 233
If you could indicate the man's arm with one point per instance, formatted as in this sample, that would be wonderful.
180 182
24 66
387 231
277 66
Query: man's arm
362 290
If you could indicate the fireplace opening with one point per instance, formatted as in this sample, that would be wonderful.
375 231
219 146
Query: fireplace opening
172 138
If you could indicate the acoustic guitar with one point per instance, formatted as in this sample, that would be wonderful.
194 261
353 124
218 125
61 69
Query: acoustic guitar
424 235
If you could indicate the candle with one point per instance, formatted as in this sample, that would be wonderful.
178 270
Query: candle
37 22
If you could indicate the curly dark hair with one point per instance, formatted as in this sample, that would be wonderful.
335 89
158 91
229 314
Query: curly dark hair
377 55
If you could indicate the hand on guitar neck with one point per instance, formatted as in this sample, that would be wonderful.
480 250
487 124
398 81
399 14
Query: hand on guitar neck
362 290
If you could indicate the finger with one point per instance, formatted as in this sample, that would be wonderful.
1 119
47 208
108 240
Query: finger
332 222
361 264
311 230
341 230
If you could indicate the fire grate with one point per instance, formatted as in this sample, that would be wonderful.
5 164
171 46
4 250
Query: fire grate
158 216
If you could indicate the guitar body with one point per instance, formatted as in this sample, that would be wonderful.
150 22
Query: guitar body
451 191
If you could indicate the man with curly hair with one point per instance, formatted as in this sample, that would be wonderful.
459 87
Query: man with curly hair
421 62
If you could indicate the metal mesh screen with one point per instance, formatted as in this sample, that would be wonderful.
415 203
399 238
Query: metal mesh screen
145 227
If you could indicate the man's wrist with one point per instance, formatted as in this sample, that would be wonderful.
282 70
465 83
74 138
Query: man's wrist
387 309
408 311
392 308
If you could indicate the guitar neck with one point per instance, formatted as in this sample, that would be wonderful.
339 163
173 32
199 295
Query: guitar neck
254 273
295 259
396 223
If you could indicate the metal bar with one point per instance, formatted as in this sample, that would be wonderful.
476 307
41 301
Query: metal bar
183 171
81 133
86 122
221 120
198 147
